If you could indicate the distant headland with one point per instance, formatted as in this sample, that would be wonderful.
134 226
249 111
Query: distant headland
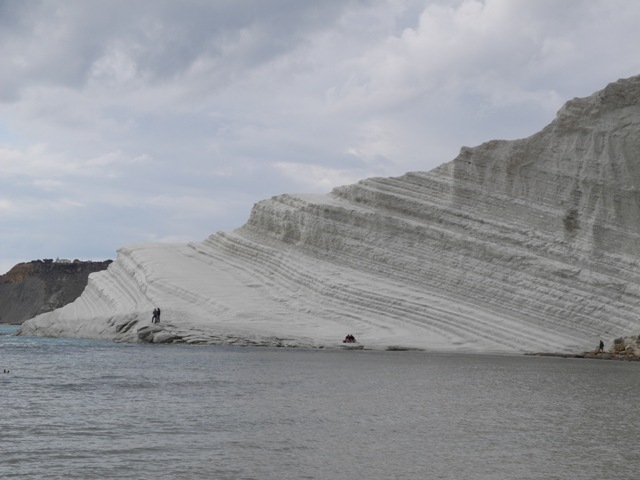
40 286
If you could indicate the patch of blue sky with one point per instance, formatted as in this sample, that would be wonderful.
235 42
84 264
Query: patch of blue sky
7 137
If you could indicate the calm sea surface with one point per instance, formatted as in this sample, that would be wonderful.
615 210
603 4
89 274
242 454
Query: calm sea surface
90 410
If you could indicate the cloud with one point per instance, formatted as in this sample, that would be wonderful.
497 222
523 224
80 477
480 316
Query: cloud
29 208
46 167
156 119
316 178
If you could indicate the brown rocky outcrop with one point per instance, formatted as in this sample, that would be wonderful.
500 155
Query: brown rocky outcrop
40 286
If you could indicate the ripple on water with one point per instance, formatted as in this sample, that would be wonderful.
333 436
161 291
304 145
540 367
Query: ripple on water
93 410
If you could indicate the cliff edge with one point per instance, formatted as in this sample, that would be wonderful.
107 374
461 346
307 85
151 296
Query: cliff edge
40 286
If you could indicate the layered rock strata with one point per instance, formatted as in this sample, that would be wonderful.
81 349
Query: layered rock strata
526 245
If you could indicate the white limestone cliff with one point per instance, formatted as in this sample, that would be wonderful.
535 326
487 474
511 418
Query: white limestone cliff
526 245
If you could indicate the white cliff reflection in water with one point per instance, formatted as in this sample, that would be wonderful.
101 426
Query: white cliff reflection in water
85 409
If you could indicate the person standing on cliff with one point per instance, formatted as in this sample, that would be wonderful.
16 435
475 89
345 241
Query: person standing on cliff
157 314
601 348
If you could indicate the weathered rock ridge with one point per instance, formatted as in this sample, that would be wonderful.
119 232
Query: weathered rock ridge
39 286
526 245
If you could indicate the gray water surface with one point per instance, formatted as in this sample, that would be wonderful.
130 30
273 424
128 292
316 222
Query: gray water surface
88 409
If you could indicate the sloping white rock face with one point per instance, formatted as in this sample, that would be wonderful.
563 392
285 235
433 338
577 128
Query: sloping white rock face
527 245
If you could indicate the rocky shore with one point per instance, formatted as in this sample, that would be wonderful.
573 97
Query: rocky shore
624 348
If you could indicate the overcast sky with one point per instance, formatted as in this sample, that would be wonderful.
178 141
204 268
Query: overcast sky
165 120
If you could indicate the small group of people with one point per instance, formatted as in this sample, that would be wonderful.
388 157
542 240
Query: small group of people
156 315
349 339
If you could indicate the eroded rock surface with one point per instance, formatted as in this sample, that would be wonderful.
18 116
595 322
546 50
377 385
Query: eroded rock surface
526 245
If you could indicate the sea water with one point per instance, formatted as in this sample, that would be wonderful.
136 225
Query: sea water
91 409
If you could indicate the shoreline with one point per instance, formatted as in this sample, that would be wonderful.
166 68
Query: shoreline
589 355
167 333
